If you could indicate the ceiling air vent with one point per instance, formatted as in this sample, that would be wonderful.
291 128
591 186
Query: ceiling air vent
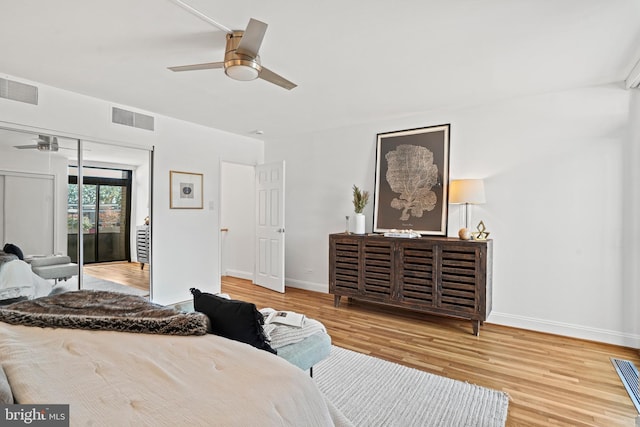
17 91
131 118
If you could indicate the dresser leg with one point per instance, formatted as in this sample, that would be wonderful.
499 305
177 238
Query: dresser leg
336 300
476 327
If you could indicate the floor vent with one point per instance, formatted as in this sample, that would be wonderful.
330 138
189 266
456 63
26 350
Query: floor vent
133 119
629 376
17 91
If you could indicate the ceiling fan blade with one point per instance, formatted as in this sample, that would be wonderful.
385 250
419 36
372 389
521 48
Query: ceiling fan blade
252 38
271 77
26 147
205 66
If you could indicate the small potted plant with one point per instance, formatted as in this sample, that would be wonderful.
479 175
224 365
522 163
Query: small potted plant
360 200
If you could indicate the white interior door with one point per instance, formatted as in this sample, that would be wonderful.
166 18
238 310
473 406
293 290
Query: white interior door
270 226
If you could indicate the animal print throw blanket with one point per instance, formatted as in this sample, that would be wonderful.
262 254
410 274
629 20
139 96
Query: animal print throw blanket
103 310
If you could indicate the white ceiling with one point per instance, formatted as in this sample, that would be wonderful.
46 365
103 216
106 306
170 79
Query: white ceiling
355 61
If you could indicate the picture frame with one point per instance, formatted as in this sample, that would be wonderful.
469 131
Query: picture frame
412 180
185 190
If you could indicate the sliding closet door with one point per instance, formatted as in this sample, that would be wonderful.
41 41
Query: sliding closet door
116 200
43 212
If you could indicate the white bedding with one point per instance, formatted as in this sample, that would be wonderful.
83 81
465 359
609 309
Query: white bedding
17 279
129 379
281 335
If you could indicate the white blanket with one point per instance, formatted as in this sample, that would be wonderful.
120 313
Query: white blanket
17 279
127 379
281 335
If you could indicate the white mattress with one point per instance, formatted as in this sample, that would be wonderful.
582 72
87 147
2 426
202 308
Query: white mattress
117 378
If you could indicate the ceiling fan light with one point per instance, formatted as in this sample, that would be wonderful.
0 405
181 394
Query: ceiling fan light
243 70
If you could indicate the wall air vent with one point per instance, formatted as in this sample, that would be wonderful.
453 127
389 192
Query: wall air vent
17 91
131 118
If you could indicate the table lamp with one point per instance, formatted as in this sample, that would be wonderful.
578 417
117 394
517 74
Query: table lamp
466 192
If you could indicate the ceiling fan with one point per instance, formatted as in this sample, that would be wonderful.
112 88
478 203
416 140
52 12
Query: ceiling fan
43 143
241 59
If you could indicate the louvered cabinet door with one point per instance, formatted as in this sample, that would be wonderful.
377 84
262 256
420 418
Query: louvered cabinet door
458 278
377 277
416 285
462 280
344 265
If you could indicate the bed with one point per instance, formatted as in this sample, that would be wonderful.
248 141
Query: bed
110 377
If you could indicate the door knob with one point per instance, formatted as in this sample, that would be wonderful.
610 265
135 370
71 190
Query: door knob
280 230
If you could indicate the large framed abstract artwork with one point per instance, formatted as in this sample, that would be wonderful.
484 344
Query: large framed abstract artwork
185 190
412 180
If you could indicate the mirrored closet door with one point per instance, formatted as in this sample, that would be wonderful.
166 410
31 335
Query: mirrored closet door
51 208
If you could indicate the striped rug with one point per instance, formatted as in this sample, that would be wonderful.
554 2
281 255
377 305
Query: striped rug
373 392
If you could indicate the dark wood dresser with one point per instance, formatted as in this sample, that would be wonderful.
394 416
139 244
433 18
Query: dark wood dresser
436 275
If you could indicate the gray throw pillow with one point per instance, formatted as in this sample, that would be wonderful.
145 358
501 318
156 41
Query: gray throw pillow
6 397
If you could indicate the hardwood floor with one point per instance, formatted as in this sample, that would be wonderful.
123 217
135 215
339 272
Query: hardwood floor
123 272
551 380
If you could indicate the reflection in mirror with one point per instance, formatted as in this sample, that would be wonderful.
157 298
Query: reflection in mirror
42 213
115 204
33 192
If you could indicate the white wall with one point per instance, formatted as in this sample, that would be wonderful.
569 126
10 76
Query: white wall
631 218
554 167
238 215
184 242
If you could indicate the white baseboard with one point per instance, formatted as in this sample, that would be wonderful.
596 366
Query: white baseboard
300 284
309 286
247 275
566 329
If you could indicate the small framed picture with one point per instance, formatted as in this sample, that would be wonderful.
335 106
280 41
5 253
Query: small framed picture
412 180
185 190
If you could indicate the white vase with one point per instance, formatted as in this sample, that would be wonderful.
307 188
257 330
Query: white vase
358 223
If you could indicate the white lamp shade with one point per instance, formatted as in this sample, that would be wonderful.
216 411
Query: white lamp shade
466 191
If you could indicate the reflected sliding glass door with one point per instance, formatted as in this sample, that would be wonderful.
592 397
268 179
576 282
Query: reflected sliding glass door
106 208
